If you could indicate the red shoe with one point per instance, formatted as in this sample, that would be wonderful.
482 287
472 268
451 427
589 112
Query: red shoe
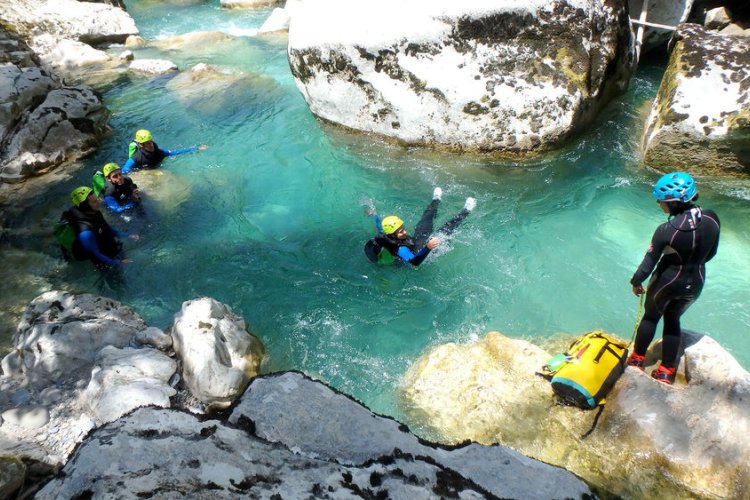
664 374
637 360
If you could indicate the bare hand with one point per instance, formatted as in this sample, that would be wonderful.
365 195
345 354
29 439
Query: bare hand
134 237
638 290
136 195
202 147
125 262
434 242
369 211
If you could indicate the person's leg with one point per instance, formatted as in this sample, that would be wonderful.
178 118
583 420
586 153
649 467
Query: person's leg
424 227
672 331
452 224
647 327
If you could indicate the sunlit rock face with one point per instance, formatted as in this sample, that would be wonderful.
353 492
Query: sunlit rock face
42 122
700 120
688 440
292 437
219 356
481 75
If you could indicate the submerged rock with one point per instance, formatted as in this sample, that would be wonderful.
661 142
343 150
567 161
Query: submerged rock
481 76
666 440
272 447
701 116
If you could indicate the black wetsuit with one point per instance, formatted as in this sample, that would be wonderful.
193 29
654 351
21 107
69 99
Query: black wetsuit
682 246
147 159
103 247
119 197
412 249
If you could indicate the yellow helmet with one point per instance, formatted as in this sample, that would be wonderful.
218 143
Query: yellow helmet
391 224
109 168
79 195
142 136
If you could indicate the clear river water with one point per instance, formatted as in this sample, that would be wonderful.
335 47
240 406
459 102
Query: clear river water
269 220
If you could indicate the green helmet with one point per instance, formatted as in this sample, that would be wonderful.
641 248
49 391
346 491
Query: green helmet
391 224
79 195
109 168
142 136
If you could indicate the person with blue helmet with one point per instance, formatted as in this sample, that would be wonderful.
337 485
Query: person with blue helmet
394 245
677 257
143 152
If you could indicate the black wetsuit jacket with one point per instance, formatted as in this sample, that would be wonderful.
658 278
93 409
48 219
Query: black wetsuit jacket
123 193
92 220
685 243
148 159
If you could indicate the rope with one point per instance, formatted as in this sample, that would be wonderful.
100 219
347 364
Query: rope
638 315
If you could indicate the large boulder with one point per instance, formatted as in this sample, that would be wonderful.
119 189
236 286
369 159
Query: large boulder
476 76
42 122
687 440
292 437
700 118
219 356
77 363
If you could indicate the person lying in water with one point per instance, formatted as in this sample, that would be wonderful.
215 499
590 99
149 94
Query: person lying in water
394 244
144 153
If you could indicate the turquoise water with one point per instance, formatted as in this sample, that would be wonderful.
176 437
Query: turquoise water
270 221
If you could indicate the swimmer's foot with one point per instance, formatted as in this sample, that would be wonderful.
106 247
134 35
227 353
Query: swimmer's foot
470 204
437 194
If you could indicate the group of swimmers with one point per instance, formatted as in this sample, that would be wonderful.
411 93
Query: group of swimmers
83 233
675 259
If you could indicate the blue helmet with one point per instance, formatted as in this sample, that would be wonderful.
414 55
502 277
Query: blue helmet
677 186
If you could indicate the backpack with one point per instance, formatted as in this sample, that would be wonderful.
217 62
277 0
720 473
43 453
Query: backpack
98 182
65 235
591 366
377 253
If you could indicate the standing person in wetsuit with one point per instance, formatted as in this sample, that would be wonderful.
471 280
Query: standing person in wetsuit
681 246
393 243
120 193
94 238
145 153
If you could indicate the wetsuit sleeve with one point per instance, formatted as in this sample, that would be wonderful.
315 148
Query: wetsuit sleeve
176 152
128 166
88 242
112 204
712 216
658 243
413 258
378 223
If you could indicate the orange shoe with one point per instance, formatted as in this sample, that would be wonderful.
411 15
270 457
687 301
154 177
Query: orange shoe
664 374
637 360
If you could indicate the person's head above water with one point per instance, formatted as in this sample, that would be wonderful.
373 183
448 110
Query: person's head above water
113 173
83 197
674 191
393 227
144 139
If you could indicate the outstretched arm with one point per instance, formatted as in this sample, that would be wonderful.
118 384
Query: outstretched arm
88 242
176 152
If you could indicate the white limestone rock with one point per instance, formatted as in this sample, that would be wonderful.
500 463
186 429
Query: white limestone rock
687 440
67 125
218 355
60 334
666 12
124 379
717 18
479 75
700 118
71 370
153 66
248 4
278 21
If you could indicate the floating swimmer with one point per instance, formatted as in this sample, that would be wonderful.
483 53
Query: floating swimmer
394 244
143 152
